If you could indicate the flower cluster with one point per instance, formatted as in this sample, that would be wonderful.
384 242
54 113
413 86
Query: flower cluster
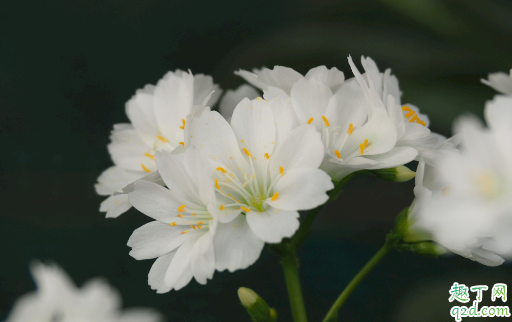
221 185
58 299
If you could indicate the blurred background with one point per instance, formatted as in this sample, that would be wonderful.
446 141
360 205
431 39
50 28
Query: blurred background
68 67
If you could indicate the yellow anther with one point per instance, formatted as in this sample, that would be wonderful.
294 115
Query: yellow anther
182 143
221 169
182 208
184 232
281 171
326 121
184 122
411 113
217 184
200 223
193 214
199 227
275 196
221 207
310 120
350 128
337 154
242 141
247 152
413 118
245 209
192 226
363 146
180 215
149 156
162 138
144 168
172 224
446 191
266 156
406 108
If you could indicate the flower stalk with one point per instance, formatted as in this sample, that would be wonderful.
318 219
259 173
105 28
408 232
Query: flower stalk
290 265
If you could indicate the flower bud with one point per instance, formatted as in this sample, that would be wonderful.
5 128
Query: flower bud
398 174
257 308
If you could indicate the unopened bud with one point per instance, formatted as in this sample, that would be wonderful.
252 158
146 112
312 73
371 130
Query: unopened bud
398 174
257 308
428 249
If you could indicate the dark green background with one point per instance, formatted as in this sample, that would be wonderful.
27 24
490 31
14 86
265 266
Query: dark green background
68 67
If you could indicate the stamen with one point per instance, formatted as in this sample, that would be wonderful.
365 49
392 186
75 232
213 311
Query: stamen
184 122
337 154
221 169
266 156
221 207
326 121
247 152
193 214
413 118
199 227
182 208
149 156
200 223
217 184
363 146
181 215
162 138
144 168
192 226
310 120
172 224
245 209
446 191
275 196
281 171
350 129
182 143
184 232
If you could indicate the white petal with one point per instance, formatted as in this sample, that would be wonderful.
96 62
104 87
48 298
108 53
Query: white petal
498 113
157 273
179 272
500 81
199 171
284 115
156 201
394 157
254 128
155 239
309 100
273 224
173 99
251 78
391 87
212 134
282 77
303 148
232 97
203 259
227 214
236 246
141 112
127 150
115 206
487 258
203 86
171 168
114 179
302 189
330 77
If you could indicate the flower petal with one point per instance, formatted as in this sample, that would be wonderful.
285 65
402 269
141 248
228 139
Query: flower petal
302 189
273 224
128 150
179 272
155 239
236 246
309 100
115 206
157 273
330 77
232 97
203 259
114 179
141 112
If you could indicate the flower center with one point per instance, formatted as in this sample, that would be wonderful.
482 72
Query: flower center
196 217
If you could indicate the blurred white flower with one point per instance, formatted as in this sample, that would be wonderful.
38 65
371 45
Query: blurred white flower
58 299
261 182
181 235
158 119
464 200
500 81
232 97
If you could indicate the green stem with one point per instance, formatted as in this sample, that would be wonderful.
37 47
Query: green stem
331 315
291 273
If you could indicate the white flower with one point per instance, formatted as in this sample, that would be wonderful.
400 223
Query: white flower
58 299
470 207
500 81
181 235
284 77
262 179
232 97
158 118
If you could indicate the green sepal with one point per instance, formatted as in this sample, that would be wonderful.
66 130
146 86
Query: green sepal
258 309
